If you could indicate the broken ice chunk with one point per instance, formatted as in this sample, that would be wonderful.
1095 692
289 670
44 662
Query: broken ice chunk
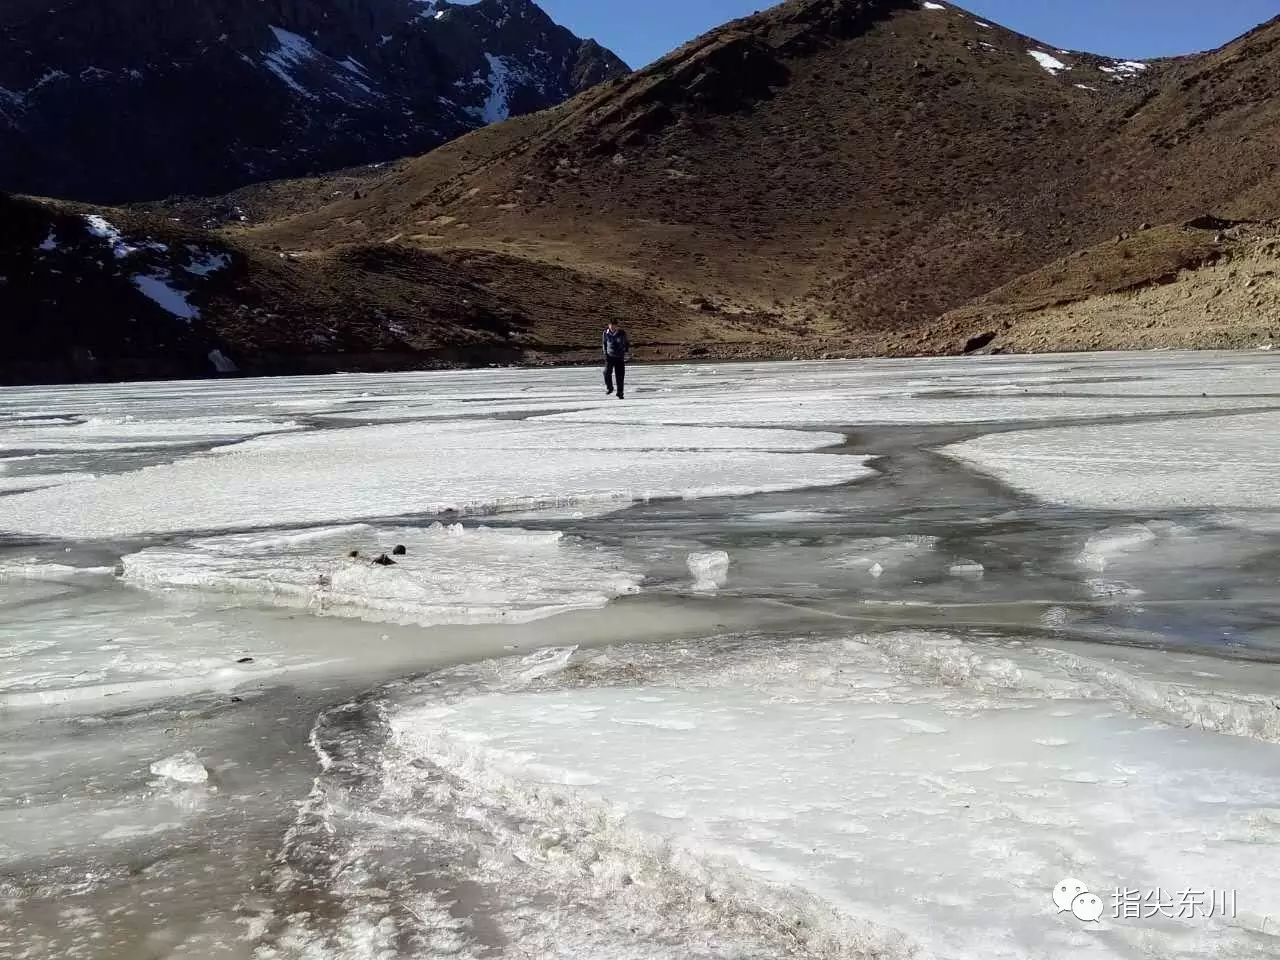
710 570
182 767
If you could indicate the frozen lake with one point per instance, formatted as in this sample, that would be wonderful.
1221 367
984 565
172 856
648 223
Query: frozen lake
815 660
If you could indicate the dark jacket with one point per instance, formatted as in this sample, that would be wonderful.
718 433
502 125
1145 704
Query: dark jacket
616 344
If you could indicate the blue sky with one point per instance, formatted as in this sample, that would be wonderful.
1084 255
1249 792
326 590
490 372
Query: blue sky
640 31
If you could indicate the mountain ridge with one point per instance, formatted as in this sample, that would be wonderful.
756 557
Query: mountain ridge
826 178
118 100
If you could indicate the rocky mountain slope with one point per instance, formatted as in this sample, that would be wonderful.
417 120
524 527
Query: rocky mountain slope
1206 284
115 100
829 177
844 170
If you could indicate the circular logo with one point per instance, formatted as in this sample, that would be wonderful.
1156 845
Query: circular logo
1087 907
1065 893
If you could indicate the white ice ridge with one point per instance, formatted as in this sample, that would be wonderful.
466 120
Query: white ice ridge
1228 462
339 476
859 793
121 433
447 574
34 569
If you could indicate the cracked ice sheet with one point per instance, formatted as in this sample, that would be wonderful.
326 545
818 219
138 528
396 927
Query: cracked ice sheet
337 476
913 781
448 575
123 649
1224 462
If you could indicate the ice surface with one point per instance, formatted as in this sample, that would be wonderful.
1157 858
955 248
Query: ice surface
879 555
1104 547
911 783
120 648
710 570
1223 462
897 404
369 472
448 574
18 482
182 767
889 391
688 799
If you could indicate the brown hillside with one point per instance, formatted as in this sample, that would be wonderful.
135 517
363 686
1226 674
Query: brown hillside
1200 285
853 166
74 306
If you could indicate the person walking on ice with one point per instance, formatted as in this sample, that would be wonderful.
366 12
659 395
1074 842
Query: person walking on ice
616 347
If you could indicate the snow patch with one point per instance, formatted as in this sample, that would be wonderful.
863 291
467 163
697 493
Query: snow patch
1051 64
222 363
158 288
291 51
204 263
1124 69
105 230
498 105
